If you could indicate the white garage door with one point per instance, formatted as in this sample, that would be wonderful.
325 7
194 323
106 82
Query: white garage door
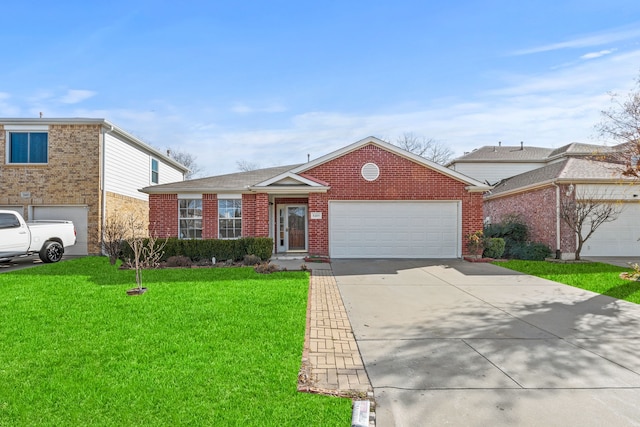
77 214
617 238
394 229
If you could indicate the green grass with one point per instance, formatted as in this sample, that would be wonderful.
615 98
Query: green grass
201 347
597 277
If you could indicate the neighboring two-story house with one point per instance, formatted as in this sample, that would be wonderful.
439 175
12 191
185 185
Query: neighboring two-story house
533 182
78 169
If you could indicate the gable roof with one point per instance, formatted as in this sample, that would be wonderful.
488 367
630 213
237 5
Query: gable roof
502 153
233 182
524 154
290 179
472 184
568 170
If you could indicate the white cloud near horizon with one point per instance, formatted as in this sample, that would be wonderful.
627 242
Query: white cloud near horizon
74 96
242 108
597 39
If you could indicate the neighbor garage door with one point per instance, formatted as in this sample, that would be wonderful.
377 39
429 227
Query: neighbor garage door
394 229
77 214
617 238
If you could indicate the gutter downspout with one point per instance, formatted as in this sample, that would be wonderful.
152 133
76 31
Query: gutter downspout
558 250
103 214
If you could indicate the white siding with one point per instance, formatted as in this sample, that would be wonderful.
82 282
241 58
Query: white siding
128 169
624 191
494 172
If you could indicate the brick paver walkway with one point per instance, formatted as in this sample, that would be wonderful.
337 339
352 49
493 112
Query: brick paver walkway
331 362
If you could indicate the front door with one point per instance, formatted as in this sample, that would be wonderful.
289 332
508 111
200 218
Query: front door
292 228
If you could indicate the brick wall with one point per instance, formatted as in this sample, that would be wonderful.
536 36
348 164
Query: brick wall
538 210
122 206
248 215
209 216
163 214
400 179
71 176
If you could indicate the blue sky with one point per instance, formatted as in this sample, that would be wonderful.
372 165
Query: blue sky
269 82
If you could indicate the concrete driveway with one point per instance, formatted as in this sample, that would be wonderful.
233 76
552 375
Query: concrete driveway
470 344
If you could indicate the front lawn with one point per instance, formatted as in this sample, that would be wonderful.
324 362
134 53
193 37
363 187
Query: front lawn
597 277
201 347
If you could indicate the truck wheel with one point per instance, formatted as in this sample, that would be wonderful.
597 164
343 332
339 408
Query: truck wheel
51 252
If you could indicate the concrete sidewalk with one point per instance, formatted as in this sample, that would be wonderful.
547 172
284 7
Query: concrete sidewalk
446 342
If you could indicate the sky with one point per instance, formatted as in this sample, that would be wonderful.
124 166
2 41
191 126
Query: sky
275 82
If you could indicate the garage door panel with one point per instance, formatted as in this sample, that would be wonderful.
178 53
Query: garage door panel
617 238
77 214
394 229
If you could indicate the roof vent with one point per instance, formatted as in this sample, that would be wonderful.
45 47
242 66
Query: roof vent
370 171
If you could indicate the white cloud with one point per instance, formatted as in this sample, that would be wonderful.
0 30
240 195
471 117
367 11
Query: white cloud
593 55
242 108
74 96
598 39
7 108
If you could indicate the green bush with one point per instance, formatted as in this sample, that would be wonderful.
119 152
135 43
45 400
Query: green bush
530 251
493 247
515 233
205 249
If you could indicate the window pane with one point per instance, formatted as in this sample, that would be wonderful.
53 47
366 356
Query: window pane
19 148
190 218
37 147
229 218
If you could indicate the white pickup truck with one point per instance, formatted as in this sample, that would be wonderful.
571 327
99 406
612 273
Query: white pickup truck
46 238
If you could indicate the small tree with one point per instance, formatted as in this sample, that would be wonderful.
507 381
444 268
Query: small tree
586 212
621 123
113 234
247 166
146 251
188 160
428 148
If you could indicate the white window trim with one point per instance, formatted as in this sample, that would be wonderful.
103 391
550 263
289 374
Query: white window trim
193 197
9 129
152 159
230 197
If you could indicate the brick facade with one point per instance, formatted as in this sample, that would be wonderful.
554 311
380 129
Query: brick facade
400 179
71 176
538 210
163 215
209 216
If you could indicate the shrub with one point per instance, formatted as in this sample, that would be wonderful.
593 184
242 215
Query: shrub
530 251
265 268
513 230
178 261
494 247
251 260
475 242
205 249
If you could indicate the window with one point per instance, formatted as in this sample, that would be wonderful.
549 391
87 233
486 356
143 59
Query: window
154 172
9 221
28 147
230 218
190 218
